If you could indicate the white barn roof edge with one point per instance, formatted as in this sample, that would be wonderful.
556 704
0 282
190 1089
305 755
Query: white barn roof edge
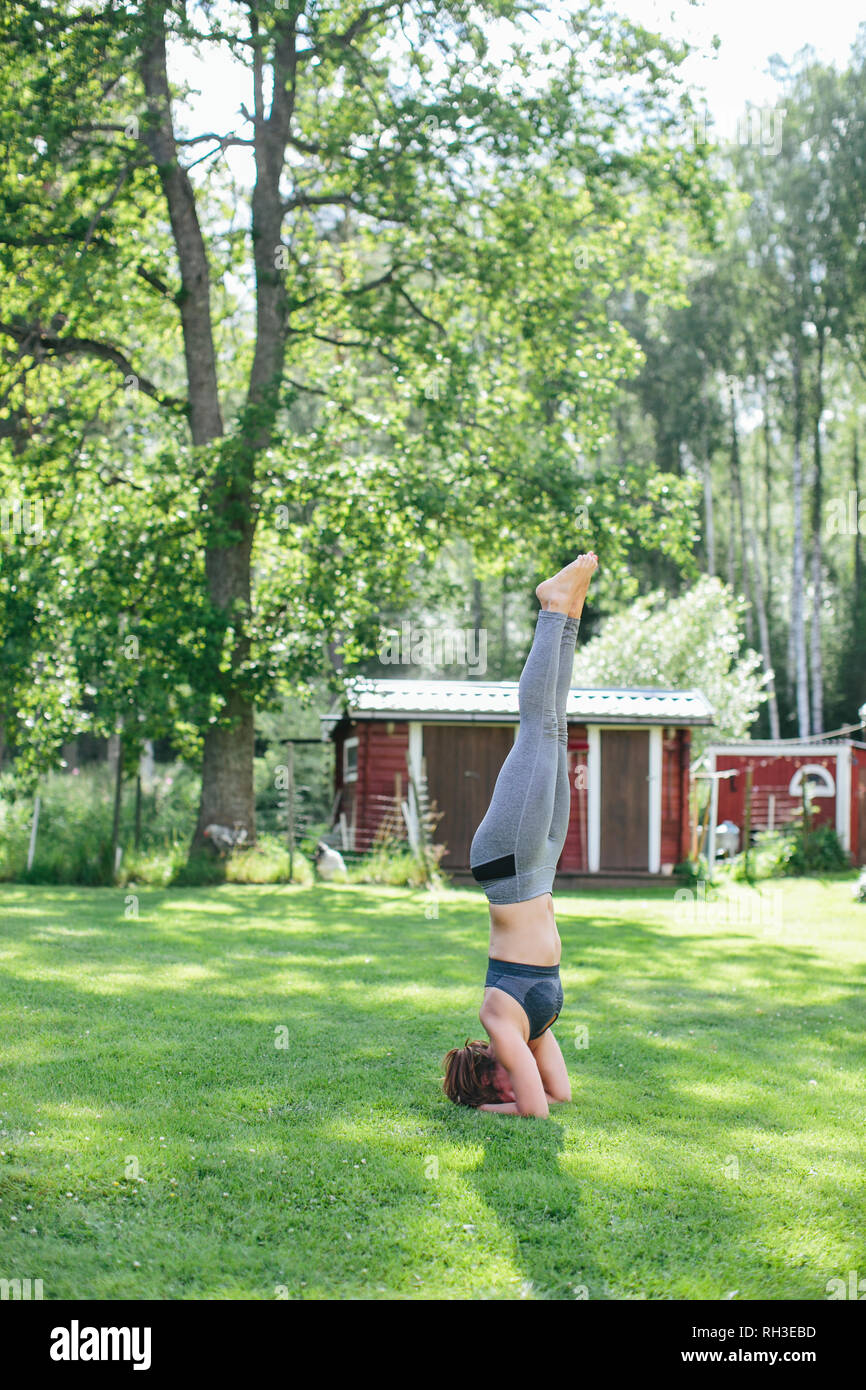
496 701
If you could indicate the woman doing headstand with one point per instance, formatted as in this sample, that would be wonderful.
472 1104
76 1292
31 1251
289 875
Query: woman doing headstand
514 855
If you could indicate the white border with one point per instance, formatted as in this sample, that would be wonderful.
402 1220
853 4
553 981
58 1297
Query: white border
593 777
654 855
414 758
783 750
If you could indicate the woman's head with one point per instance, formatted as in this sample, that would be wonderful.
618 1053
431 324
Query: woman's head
474 1077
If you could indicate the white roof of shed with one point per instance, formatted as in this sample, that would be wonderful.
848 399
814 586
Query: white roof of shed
496 701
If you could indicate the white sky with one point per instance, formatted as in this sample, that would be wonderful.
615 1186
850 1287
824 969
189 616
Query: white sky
750 31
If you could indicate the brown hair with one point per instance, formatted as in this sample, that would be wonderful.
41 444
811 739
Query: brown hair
469 1073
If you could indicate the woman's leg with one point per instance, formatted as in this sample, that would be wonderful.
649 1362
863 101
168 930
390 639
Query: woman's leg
562 798
558 828
518 843
513 839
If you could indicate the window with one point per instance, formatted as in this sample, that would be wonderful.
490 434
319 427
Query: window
819 781
350 760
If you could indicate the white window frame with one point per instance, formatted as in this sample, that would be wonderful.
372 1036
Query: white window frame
350 775
795 786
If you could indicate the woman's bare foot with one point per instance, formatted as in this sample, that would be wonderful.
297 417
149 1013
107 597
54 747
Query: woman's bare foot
565 592
585 567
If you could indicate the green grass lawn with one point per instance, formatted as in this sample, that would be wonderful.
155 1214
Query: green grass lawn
158 1143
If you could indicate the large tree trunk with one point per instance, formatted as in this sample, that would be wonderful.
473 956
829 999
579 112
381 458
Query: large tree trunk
854 682
503 627
817 556
764 633
227 796
798 578
227 768
205 417
732 535
227 501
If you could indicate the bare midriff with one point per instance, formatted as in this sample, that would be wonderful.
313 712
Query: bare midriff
525 932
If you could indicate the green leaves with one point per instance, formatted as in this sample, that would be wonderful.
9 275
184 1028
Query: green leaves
688 643
431 349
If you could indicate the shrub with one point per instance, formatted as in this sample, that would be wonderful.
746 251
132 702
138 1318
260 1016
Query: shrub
693 871
814 851
795 849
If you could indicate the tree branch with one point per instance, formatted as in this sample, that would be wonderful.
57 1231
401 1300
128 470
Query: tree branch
33 342
368 16
420 312
155 282
316 200
222 140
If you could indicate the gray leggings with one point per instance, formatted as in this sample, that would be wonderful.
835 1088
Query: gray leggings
517 845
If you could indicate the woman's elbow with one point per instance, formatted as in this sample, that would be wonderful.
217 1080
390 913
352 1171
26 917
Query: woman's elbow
559 1097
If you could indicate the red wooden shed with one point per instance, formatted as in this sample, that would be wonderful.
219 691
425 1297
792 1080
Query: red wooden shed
628 754
834 769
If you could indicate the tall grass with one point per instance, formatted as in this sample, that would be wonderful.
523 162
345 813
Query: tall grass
73 843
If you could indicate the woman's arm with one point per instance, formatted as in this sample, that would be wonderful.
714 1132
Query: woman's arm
551 1067
516 1057
510 1107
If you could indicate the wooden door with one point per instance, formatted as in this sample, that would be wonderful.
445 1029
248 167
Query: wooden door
624 799
861 816
463 762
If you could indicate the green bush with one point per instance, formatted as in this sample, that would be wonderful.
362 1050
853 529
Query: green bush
794 849
816 851
693 871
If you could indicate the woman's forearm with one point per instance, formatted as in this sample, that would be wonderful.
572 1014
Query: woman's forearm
512 1108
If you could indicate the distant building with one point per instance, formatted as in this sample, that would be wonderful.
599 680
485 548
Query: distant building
834 770
628 755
